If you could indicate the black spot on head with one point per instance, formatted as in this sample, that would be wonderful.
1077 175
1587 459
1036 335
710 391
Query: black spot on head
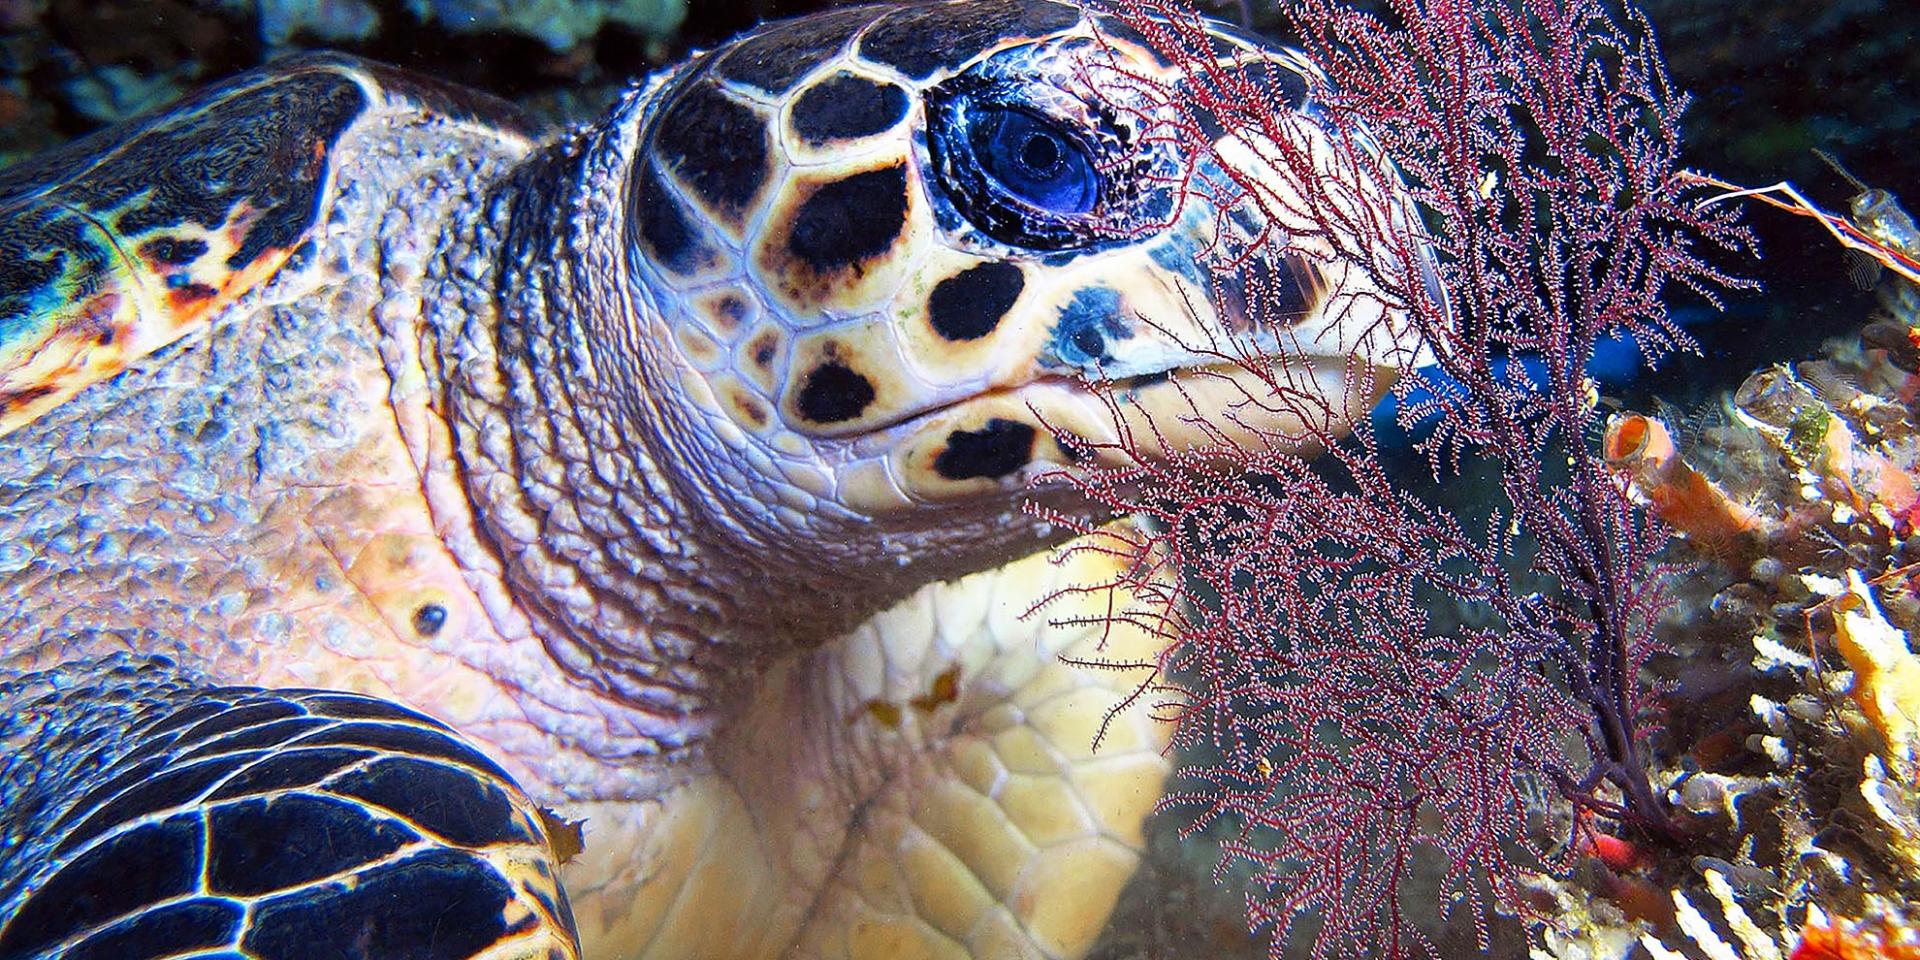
716 145
969 304
166 931
922 39
428 620
154 862
779 54
173 250
436 905
764 348
750 410
259 846
451 801
834 392
847 221
664 231
999 448
730 312
845 106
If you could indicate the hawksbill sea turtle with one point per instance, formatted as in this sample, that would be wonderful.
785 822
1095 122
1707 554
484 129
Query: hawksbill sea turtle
388 484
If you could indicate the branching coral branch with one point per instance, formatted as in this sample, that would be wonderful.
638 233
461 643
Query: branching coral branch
1377 692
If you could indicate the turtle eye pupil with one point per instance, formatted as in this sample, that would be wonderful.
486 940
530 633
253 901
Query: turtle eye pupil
1040 152
1035 162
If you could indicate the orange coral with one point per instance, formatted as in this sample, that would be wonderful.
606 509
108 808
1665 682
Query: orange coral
1886 673
1877 939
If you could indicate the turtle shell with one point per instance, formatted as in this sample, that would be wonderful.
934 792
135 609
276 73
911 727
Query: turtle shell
128 240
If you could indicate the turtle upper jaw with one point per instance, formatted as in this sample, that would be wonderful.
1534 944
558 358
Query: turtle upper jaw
997 443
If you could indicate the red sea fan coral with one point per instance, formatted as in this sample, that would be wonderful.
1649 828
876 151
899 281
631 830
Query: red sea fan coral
1366 751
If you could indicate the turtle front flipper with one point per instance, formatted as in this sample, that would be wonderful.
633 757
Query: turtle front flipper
144 815
928 786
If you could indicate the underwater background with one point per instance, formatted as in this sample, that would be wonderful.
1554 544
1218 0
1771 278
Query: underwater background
1772 83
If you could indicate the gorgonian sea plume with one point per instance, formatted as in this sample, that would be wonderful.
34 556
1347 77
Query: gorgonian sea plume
1362 751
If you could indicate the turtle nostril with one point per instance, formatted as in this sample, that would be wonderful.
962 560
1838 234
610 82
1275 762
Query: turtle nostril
1088 324
1089 341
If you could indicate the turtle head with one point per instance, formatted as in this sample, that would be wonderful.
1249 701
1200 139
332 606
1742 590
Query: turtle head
893 252
884 255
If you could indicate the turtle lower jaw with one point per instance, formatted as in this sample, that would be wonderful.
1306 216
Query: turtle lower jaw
1290 404
1007 438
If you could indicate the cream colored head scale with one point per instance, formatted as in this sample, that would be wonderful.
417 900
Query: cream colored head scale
668 474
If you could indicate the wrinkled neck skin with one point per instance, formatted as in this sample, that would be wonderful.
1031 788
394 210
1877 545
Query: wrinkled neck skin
643 551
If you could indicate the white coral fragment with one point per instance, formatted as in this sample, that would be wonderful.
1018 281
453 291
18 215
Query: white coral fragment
1822 586
1771 654
1770 713
1700 930
1757 944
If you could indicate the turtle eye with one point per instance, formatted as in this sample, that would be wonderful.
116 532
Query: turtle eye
1034 161
1021 174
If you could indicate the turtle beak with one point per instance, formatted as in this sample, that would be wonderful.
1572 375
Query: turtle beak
1146 354
1230 328
1244 326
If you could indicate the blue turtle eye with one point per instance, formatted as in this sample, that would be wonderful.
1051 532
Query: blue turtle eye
1033 160
1026 176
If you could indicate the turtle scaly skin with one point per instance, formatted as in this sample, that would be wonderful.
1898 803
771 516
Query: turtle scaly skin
379 466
